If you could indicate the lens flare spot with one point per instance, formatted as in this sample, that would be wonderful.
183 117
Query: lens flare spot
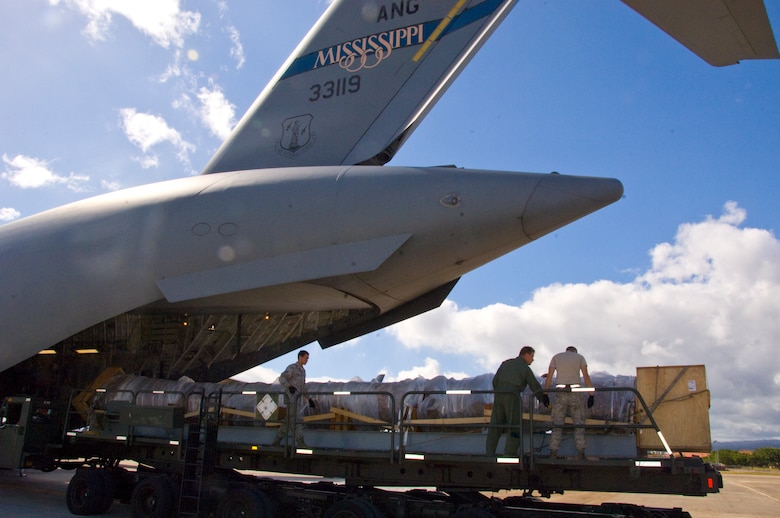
226 254
193 55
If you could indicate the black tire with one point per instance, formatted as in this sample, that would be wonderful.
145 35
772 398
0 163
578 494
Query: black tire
46 464
352 508
245 502
473 512
110 485
153 497
86 492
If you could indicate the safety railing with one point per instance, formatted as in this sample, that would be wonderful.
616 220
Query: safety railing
105 421
272 409
337 417
84 420
458 430
612 426
397 425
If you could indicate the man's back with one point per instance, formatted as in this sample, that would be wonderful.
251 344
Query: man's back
567 366
514 373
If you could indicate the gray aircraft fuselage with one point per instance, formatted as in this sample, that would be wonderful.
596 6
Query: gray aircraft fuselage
290 239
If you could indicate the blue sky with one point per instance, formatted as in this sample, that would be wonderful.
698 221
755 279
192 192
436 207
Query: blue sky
685 269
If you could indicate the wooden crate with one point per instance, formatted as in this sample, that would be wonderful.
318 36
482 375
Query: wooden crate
679 400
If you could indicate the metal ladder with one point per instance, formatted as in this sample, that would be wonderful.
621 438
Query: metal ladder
199 456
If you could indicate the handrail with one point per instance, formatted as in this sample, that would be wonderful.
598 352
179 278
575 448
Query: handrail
133 400
407 426
90 412
347 393
631 426
398 423
292 417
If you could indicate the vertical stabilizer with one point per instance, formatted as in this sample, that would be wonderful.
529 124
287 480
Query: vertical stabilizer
359 83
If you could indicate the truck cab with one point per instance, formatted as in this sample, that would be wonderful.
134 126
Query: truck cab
28 425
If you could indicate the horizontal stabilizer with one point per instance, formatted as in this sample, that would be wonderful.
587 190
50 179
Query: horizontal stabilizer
328 261
721 32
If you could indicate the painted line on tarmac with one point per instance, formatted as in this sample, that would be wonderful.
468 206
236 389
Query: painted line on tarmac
756 491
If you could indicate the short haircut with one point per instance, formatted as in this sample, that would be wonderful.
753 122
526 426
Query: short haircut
527 350
571 349
302 353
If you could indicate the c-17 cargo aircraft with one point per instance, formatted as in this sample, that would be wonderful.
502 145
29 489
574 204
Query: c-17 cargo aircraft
296 231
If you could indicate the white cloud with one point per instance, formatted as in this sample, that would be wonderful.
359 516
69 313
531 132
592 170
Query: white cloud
258 374
429 370
237 50
109 185
211 107
215 111
162 20
710 297
147 131
168 24
175 69
31 173
8 214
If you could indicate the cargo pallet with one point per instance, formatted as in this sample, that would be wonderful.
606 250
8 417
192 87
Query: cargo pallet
218 461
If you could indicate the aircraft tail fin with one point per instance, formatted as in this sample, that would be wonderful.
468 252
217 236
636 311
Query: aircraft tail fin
359 83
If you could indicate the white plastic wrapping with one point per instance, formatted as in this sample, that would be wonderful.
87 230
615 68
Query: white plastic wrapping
369 399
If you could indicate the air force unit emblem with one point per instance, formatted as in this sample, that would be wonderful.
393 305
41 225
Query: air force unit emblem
297 136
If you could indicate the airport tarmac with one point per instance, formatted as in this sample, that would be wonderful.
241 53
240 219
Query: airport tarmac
41 494
745 495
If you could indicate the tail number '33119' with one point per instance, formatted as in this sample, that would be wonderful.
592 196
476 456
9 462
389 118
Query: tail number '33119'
339 87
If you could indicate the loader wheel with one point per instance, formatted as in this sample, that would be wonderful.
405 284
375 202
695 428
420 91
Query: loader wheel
86 493
46 464
110 486
245 502
473 512
153 497
352 508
